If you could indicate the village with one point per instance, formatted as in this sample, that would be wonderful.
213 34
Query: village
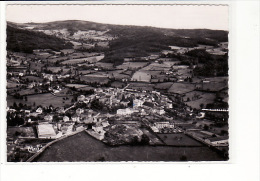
152 100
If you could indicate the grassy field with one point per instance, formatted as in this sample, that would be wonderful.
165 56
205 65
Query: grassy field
141 86
12 85
76 85
83 147
203 98
91 78
179 139
132 65
32 78
181 88
164 85
41 100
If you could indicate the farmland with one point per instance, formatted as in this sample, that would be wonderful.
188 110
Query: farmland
98 151
179 139
46 99
83 60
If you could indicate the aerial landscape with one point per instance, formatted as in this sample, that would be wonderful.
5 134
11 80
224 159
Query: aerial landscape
83 91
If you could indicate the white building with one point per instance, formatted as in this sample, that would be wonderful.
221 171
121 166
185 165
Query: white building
124 111
81 98
39 110
137 103
161 125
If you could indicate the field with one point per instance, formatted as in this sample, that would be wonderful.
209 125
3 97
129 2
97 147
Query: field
141 86
82 87
214 86
54 69
32 78
158 67
132 65
76 85
202 98
91 78
83 147
46 99
83 60
12 85
181 88
179 139
118 84
105 65
163 86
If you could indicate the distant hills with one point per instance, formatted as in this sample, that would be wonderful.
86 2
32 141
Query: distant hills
131 41
21 40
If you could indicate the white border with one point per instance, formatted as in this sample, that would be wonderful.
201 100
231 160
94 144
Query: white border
244 116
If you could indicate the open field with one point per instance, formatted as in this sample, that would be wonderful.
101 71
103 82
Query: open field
76 85
82 60
83 147
163 86
91 78
214 86
141 86
32 78
203 98
46 99
179 139
132 65
54 69
181 88
11 85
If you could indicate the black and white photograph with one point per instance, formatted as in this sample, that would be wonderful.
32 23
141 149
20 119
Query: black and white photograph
133 83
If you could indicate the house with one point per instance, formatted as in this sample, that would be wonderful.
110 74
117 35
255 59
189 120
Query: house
81 98
161 125
61 110
79 111
75 118
160 111
48 118
124 111
46 131
137 103
105 123
155 129
39 110
66 119
201 115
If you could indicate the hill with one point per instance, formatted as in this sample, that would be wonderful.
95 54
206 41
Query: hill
21 40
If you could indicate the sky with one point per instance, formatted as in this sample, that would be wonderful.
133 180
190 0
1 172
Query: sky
163 16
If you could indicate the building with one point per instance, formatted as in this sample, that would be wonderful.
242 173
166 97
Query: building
161 125
81 98
66 119
137 103
126 111
79 111
39 110
48 118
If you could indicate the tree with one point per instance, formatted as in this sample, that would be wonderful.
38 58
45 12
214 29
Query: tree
145 139
201 105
